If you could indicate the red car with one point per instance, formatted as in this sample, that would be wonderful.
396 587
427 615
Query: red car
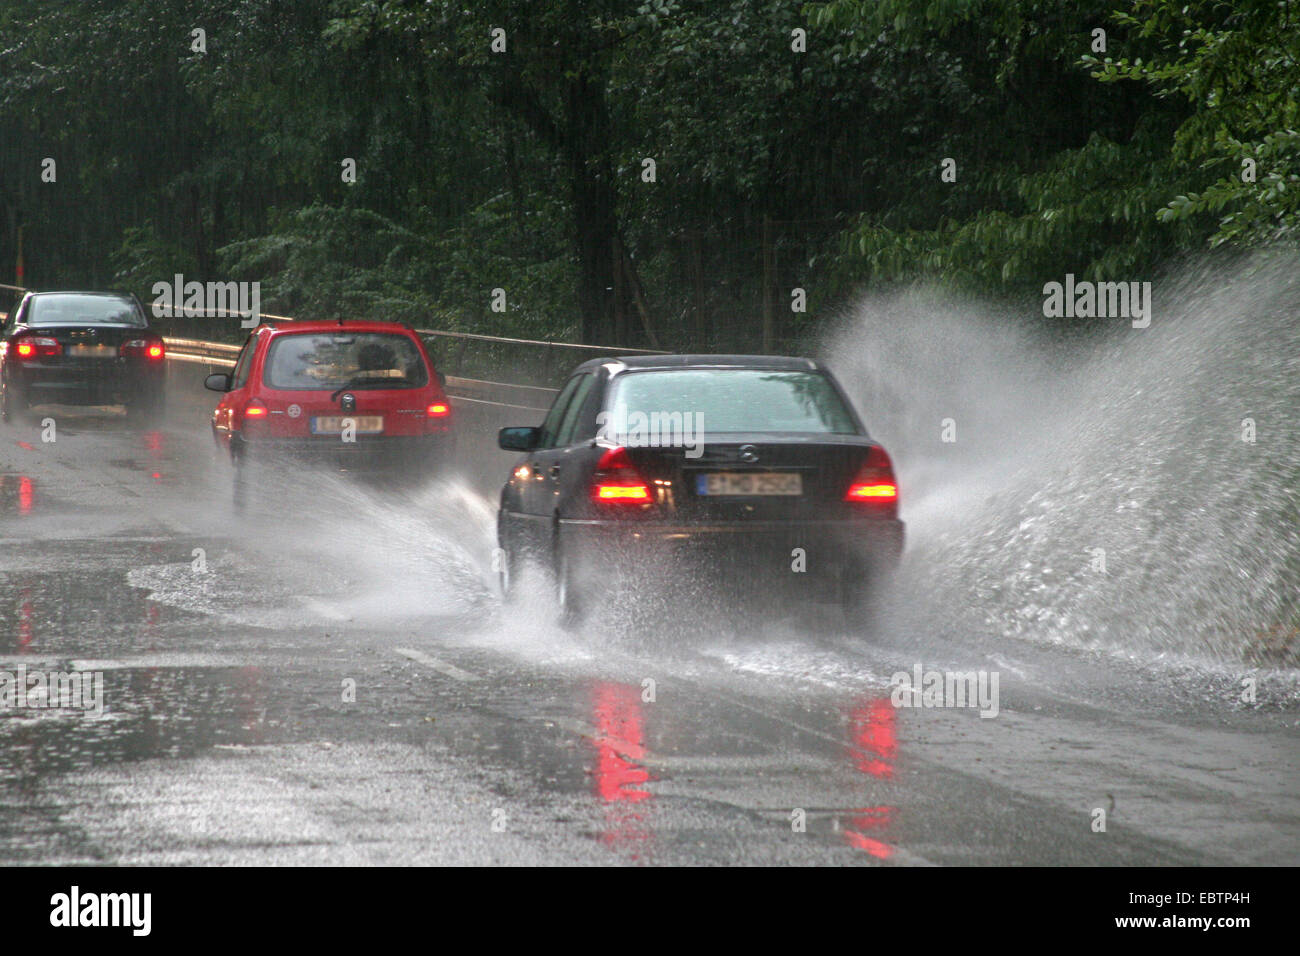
362 395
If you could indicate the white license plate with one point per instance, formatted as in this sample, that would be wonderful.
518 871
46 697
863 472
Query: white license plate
92 351
333 424
749 483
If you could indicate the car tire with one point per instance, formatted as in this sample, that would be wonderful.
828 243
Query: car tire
12 403
860 586
507 574
241 471
570 599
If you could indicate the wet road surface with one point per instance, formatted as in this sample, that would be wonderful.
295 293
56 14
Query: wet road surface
327 676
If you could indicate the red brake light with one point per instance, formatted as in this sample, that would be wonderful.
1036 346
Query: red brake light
438 410
617 482
882 490
874 483
151 349
41 346
255 409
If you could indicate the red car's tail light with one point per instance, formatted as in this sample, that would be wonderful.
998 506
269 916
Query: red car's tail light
874 484
39 346
255 409
617 482
438 410
155 351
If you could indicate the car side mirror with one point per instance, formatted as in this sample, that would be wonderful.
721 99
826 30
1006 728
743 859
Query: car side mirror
219 382
522 438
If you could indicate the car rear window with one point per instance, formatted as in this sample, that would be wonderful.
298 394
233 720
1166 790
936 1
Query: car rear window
344 360
738 400
75 309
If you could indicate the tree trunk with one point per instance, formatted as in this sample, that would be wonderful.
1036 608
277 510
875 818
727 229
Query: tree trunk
595 203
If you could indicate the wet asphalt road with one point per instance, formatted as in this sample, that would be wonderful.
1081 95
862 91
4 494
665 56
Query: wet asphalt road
327 677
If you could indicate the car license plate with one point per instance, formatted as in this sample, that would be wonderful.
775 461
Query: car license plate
333 424
749 483
92 351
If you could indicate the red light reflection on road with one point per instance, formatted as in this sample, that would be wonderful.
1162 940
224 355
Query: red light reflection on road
875 742
619 723
17 493
873 745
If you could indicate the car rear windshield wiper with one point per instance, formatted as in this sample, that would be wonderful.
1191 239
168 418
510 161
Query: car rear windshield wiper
365 383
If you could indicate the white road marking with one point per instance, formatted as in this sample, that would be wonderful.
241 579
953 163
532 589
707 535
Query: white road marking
156 660
442 667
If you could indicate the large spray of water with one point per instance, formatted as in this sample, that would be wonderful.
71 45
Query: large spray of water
1173 449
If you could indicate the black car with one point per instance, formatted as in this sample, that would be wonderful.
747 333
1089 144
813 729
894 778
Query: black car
81 348
744 470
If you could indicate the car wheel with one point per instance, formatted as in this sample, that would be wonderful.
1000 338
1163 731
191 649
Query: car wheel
507 574
569 597
12 404
242 479
859 592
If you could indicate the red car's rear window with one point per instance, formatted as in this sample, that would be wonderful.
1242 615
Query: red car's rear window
304 361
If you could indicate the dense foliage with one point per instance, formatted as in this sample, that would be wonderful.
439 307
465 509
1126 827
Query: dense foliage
793 148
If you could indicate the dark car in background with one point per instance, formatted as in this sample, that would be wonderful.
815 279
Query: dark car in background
362 395
81 348
756 471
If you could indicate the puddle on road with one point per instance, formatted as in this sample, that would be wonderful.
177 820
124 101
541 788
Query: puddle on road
17 494
146 712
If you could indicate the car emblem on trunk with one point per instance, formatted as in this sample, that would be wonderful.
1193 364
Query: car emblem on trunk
294 411
748 454
348 402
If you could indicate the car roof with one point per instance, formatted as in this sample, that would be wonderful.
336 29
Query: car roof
108 295
639 362
334 325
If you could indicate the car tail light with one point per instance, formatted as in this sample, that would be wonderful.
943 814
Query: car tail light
38 346
255 409
874 484
152 350
438 410
617 482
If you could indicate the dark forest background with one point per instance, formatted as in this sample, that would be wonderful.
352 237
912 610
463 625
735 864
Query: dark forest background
776 168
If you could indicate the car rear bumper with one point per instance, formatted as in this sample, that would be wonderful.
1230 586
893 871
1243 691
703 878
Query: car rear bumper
845 531
85 383
826 544
366 453
763 561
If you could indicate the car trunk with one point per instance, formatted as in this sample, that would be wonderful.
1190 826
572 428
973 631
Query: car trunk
752 477
87 349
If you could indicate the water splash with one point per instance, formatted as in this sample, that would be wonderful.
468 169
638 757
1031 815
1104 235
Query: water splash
1130 441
